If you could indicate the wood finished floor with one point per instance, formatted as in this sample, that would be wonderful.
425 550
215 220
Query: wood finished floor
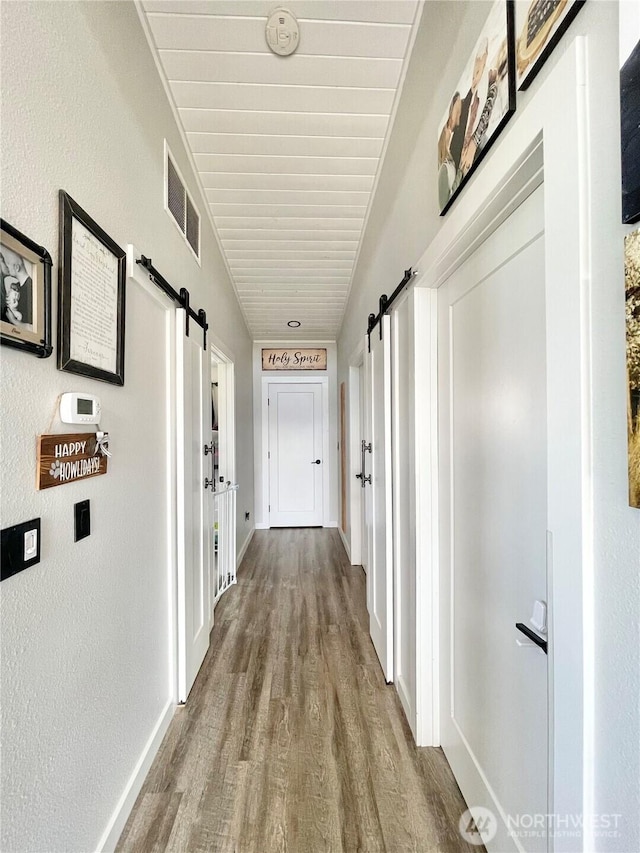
291 740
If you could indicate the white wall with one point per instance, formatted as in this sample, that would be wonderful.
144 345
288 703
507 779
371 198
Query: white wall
261 416
85 644
403 223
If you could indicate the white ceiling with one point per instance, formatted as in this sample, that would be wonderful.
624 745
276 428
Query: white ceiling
287 148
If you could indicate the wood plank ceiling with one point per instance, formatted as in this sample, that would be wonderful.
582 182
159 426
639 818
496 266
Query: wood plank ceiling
287 148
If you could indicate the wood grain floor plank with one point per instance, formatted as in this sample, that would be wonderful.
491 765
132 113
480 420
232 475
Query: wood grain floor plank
291 742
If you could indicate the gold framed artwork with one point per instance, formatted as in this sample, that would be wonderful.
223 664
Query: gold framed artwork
632 313
540 24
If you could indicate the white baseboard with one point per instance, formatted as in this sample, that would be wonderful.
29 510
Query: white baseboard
345 543
261 525
126 802
243 549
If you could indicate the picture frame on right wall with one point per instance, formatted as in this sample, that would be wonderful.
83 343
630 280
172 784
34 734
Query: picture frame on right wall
630 111
632 311
540 24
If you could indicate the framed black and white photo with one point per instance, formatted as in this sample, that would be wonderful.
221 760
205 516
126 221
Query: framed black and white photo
540 24
25 272
91 297
480 105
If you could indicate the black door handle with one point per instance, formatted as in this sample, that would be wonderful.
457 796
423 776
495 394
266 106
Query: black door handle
317 462
539 641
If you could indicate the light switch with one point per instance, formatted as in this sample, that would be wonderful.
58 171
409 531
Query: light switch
82 520
30 544
20 547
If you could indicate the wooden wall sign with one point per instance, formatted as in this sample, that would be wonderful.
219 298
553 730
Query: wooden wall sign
294 359
67 458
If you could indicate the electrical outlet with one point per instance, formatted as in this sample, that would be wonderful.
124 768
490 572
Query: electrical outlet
247 516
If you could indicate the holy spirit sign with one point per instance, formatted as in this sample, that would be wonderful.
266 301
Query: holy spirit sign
294 359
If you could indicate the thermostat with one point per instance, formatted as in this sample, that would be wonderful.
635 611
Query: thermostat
78 408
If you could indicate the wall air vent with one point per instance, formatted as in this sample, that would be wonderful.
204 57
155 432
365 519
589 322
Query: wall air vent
179 204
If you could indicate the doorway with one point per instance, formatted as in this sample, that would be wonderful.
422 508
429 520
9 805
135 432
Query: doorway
223 533
494 520
296 453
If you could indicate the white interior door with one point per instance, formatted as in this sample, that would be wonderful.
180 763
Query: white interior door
493 498
365 465
379 499
404 509
295 454
193 418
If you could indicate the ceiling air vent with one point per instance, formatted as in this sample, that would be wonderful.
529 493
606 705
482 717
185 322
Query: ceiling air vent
180 206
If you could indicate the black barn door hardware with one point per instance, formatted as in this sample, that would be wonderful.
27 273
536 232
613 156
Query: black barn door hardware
364 448
182 299
385 302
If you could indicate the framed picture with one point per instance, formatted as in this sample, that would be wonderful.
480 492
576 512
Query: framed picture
540 24
91 297
25 272
480 105
630 112
632 312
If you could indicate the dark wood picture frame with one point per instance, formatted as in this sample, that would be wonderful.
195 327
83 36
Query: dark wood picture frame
533 52
499 88
26 271
104 270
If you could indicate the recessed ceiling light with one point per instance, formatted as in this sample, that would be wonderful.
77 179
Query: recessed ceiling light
293 323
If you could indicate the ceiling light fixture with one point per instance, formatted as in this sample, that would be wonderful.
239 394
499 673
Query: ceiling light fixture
293 323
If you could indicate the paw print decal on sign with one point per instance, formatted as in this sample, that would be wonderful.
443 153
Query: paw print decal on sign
54 469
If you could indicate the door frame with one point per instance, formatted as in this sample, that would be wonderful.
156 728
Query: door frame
423 489
226 402
226 415
326 478
355 420
533 149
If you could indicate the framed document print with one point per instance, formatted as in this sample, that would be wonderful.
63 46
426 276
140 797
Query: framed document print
91 297
25 273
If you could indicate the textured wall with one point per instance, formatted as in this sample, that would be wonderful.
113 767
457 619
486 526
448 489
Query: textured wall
85 649
403 222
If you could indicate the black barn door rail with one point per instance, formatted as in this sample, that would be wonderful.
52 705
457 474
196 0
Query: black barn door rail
385 302
182 298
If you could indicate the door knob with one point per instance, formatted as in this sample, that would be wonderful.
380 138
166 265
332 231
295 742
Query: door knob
317 462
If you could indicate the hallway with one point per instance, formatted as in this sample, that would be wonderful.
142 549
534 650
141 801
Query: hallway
291 740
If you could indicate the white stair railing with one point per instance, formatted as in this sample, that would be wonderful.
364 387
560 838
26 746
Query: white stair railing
224 539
